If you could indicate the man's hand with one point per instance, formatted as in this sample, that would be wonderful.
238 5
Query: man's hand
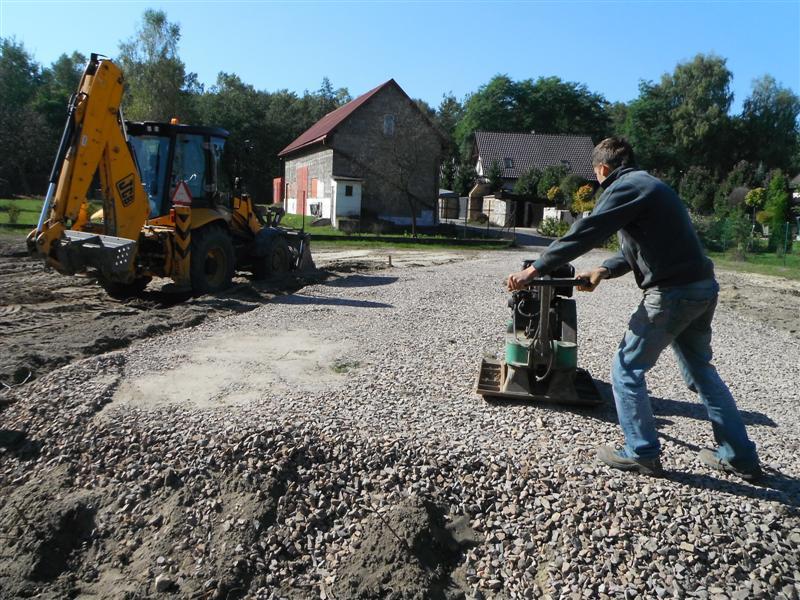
595 276
517 281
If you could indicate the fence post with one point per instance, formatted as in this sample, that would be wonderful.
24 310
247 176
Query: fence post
785 241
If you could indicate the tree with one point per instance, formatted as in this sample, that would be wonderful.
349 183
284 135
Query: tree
25 143
777 208
551 177
547 105
769 120
583 199
527 183
740 176
157 84
446 118
570 184
697 189
701 98
683 120
464 178
495 176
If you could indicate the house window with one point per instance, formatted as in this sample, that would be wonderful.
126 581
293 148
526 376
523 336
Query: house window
388 125
508 163
348 190
314 183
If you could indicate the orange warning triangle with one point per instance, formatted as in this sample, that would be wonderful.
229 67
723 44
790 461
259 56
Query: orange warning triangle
182 196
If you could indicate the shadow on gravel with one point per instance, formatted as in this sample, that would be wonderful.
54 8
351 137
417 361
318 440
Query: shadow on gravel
774 486
325 301
17 443
361 281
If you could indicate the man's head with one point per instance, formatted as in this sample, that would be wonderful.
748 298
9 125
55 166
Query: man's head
611 153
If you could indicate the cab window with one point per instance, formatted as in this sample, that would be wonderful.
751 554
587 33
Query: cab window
189 165
152 153
222 177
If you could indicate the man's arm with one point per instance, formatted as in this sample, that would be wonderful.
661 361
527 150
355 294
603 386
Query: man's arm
616 210
617 265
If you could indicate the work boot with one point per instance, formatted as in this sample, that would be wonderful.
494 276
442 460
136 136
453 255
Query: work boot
710 459
614 458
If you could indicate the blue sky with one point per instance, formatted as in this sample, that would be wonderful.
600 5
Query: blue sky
434 47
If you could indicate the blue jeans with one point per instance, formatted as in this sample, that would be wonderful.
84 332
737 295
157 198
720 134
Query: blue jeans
679 317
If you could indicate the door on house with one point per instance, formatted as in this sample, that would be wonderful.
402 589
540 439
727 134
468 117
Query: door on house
302 189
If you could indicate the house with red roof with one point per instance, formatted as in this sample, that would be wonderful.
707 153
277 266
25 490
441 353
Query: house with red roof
374 159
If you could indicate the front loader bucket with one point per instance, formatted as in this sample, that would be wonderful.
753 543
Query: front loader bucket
111 255
496 380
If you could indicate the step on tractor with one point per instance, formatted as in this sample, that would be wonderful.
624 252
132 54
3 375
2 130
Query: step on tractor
541 347
170 205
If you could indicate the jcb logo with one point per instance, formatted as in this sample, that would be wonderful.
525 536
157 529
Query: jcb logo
125 189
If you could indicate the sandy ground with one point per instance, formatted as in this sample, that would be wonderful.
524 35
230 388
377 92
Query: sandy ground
48 320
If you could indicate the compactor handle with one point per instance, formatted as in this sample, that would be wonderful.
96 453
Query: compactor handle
559 282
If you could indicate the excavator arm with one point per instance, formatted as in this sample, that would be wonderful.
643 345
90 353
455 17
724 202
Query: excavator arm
94 141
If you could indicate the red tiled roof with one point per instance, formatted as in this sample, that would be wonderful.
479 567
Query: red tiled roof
322 128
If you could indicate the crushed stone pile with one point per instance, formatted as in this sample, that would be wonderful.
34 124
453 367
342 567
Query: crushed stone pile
380 473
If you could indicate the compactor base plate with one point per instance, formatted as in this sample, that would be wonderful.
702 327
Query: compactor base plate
490 381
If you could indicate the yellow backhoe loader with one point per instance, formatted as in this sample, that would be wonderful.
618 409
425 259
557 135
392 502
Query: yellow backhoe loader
169 207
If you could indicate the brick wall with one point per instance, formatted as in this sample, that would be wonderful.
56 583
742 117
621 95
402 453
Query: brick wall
391 166
320 166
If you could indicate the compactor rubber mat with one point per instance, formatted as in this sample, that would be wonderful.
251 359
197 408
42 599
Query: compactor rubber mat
490 380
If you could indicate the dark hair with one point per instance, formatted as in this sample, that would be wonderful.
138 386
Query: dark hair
614 152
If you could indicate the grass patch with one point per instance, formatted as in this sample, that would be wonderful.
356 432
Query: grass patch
763 264
344 366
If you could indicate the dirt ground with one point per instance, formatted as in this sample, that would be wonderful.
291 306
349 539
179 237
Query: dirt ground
48 320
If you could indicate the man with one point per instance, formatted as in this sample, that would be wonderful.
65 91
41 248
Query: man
662 249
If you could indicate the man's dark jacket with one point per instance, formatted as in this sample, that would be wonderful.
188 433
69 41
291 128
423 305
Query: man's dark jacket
657 238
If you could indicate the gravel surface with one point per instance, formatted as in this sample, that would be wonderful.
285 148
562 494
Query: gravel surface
374 471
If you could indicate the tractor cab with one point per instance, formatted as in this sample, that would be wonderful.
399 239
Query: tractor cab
168 153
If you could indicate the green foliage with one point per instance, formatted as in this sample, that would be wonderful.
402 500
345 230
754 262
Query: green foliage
547 105
756 198
553 227
158 87
495 176
683 120
527 183
464 179
769 122
568 185
737 231
697 189
739 177
13 213
551 177
777 207
555 195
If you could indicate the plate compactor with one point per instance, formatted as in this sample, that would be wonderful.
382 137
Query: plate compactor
541 354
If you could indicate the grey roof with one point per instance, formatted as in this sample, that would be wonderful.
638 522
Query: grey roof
539 150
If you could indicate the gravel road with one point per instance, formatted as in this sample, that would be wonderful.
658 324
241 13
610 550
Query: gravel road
328 444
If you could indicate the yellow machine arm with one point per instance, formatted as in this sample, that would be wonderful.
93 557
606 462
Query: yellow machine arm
94 141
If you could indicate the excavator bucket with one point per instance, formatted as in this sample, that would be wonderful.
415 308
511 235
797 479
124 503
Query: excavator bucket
111 255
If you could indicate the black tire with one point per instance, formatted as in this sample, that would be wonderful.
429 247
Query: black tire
123 291
277 261
568 315
213 260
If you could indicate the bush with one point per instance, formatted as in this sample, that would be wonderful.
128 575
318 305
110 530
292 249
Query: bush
697 189
756 198
570 184
777 205
13 213
737 232
551 177
553 227
583 199
554 194
527 183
